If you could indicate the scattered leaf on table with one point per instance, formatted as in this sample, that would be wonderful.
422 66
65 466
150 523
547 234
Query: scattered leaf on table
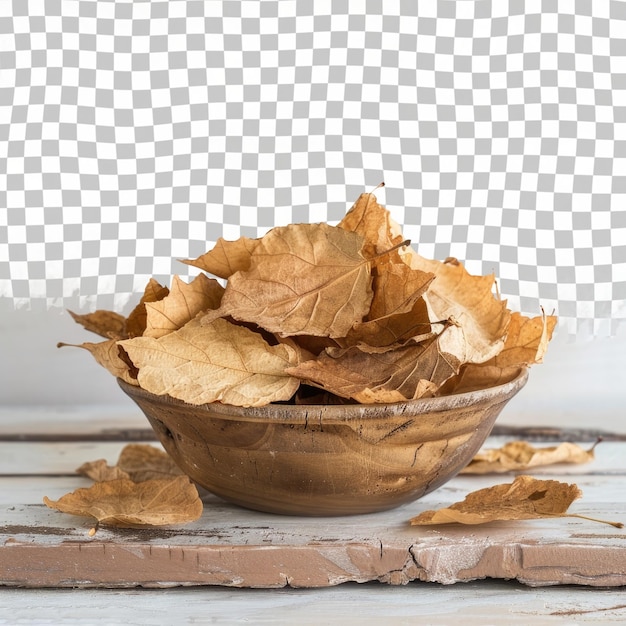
227 257
481 320
125 503
182 304
217 362
144 462
101 471
107 324
137 462
405 373
524 498
304 279
521 456
136 321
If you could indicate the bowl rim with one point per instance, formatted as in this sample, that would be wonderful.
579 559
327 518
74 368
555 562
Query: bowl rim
302 413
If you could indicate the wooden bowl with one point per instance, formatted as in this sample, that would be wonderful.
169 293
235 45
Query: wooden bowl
325 460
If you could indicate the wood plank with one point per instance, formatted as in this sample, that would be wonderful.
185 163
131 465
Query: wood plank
55 459
471 604
63 457
24 420
231 546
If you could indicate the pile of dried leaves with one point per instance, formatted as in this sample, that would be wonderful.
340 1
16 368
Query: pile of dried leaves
351 310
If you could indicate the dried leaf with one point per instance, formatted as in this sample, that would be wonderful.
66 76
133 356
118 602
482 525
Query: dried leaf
136 321
227 257
182 304
107 324
398 311
137 462
524 498
304 279
108 354
405 373
396 289
525 345
101 471
144 462
481 320
374 223
521 456
124 503
214 362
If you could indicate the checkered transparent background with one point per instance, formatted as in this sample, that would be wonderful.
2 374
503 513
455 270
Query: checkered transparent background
133 134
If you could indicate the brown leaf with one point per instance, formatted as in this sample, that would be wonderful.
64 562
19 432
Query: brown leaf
124 503
108 354
396 289
214 362
526 340
521 456
181 305
136 321
374 223
144 462
227 257
304 279
405 373
481 320
524 498
101 471
398 311
107 324
525 345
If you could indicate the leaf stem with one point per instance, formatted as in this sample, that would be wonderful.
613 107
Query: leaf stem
593 447
402 244
594 519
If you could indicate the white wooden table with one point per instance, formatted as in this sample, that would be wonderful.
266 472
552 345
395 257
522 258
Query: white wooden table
251 567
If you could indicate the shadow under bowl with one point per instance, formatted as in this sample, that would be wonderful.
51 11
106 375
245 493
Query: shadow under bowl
325 459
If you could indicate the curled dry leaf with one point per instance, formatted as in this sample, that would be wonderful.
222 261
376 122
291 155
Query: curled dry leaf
182 304
227 257
524 498
144 462
405 373
100 471
304 279
137 462
521 456
481 320
398 312
107 324
526 343
111 356
125 503
374 223
137 319
216 362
